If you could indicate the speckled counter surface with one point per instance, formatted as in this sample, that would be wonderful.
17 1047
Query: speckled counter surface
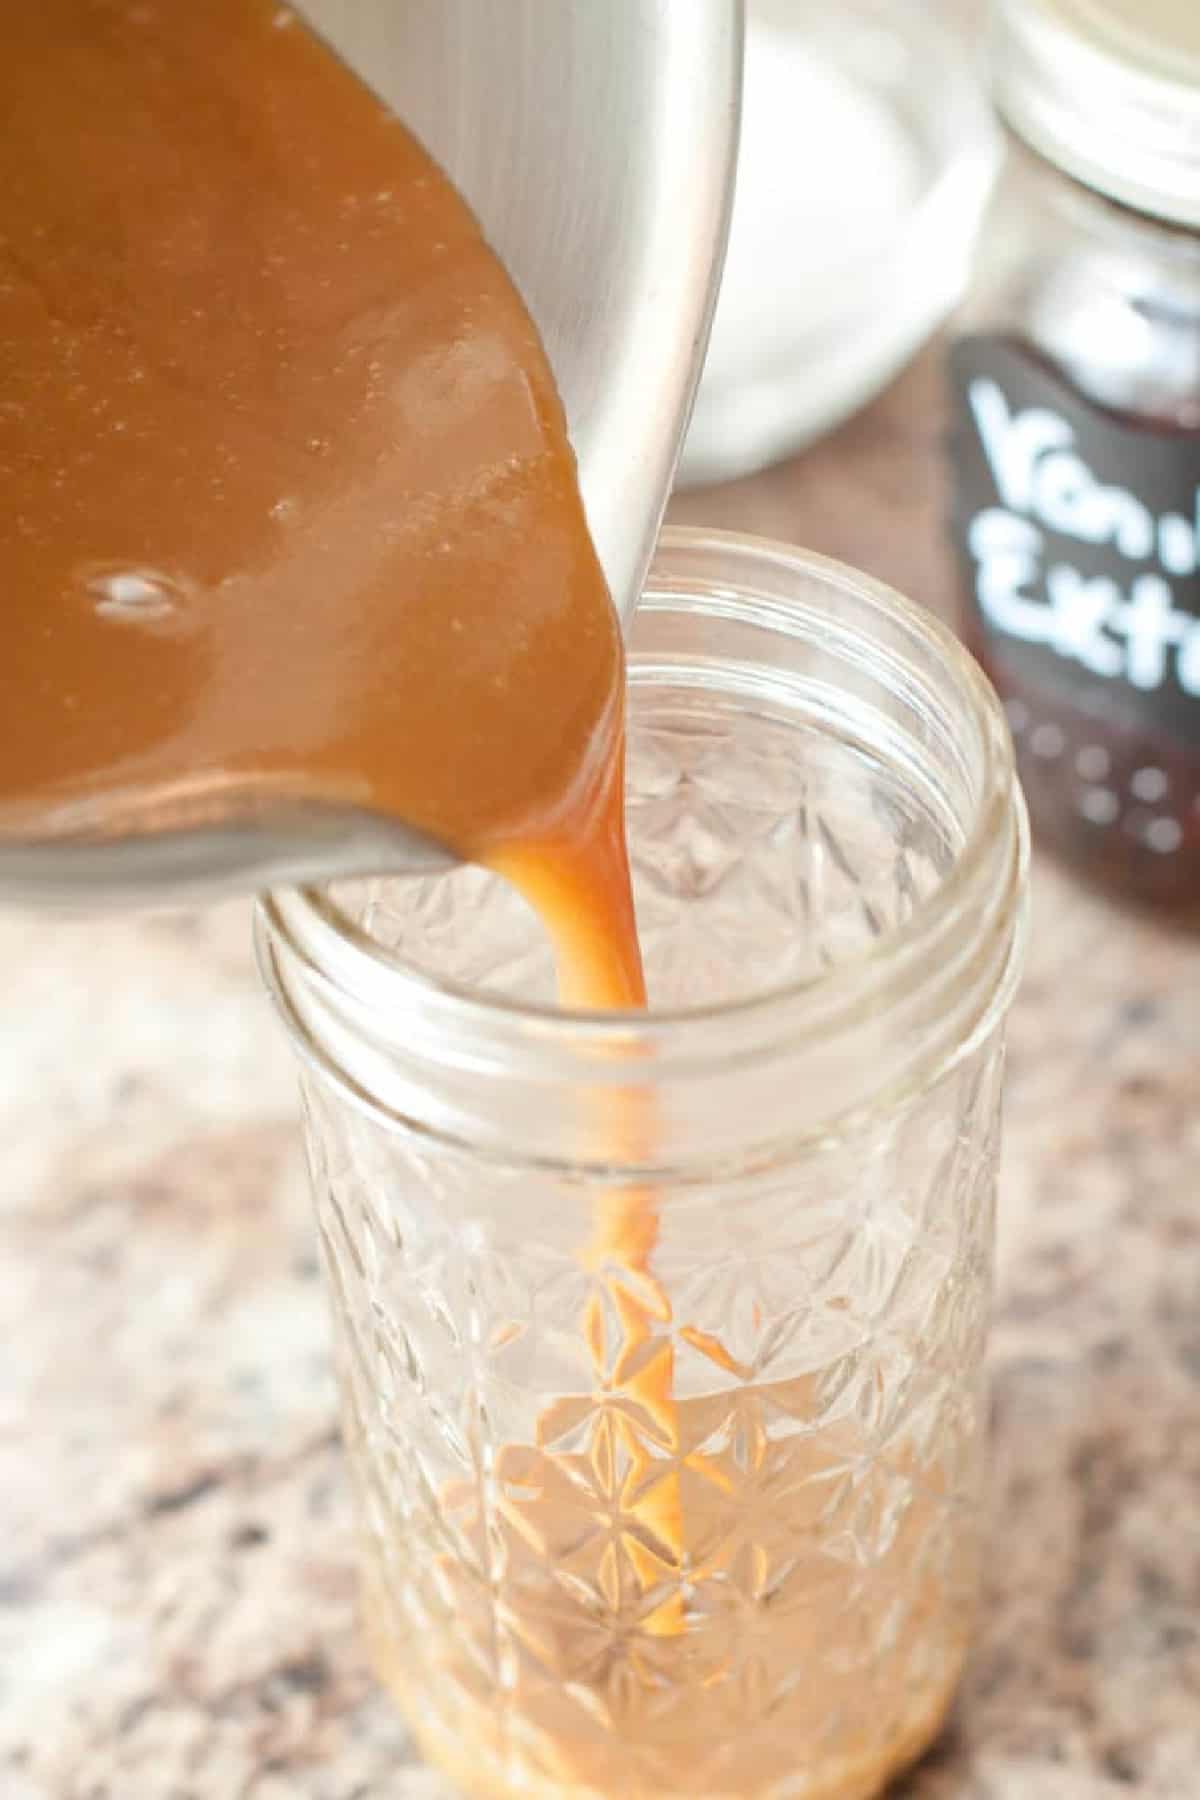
176 1597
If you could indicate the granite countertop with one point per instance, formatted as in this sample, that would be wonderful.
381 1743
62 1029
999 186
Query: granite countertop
177 1610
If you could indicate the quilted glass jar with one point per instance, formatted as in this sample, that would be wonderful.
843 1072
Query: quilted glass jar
711 1529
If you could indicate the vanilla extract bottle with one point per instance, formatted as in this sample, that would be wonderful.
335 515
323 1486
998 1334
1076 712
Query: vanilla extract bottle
1076 440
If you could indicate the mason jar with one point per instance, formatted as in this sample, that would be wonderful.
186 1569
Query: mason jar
1076 454
709 1527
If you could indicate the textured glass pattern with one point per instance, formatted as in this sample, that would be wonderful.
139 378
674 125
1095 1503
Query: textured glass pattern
825 1340
765 850
710 1533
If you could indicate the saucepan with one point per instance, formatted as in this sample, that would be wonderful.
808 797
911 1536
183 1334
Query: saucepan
597 145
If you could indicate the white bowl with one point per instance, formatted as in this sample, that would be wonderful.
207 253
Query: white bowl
868 155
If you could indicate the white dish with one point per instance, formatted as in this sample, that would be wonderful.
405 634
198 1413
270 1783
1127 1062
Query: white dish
868 154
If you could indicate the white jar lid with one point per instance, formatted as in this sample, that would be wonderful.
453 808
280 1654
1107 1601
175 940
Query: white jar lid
1109 91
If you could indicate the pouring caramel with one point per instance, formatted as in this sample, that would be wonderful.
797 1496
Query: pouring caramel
290 502
292 510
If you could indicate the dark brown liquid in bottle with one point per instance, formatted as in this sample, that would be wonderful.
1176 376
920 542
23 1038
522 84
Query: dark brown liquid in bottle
1105 718
1119 801
1118 805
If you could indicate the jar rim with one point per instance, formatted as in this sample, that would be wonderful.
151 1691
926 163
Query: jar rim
339 951
1104 99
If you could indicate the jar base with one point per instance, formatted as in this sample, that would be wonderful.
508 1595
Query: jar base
863 1776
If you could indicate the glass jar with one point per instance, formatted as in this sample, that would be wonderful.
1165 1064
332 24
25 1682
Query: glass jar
710 1529
1076 376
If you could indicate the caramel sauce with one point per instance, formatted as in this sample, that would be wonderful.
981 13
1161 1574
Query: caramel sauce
291 509
289 498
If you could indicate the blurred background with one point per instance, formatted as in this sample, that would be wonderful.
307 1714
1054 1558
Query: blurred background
868 154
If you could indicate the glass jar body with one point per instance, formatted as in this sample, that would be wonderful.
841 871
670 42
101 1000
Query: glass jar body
824 1349
709 1525
1076 467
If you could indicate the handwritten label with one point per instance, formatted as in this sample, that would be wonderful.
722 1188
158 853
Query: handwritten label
1080 539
